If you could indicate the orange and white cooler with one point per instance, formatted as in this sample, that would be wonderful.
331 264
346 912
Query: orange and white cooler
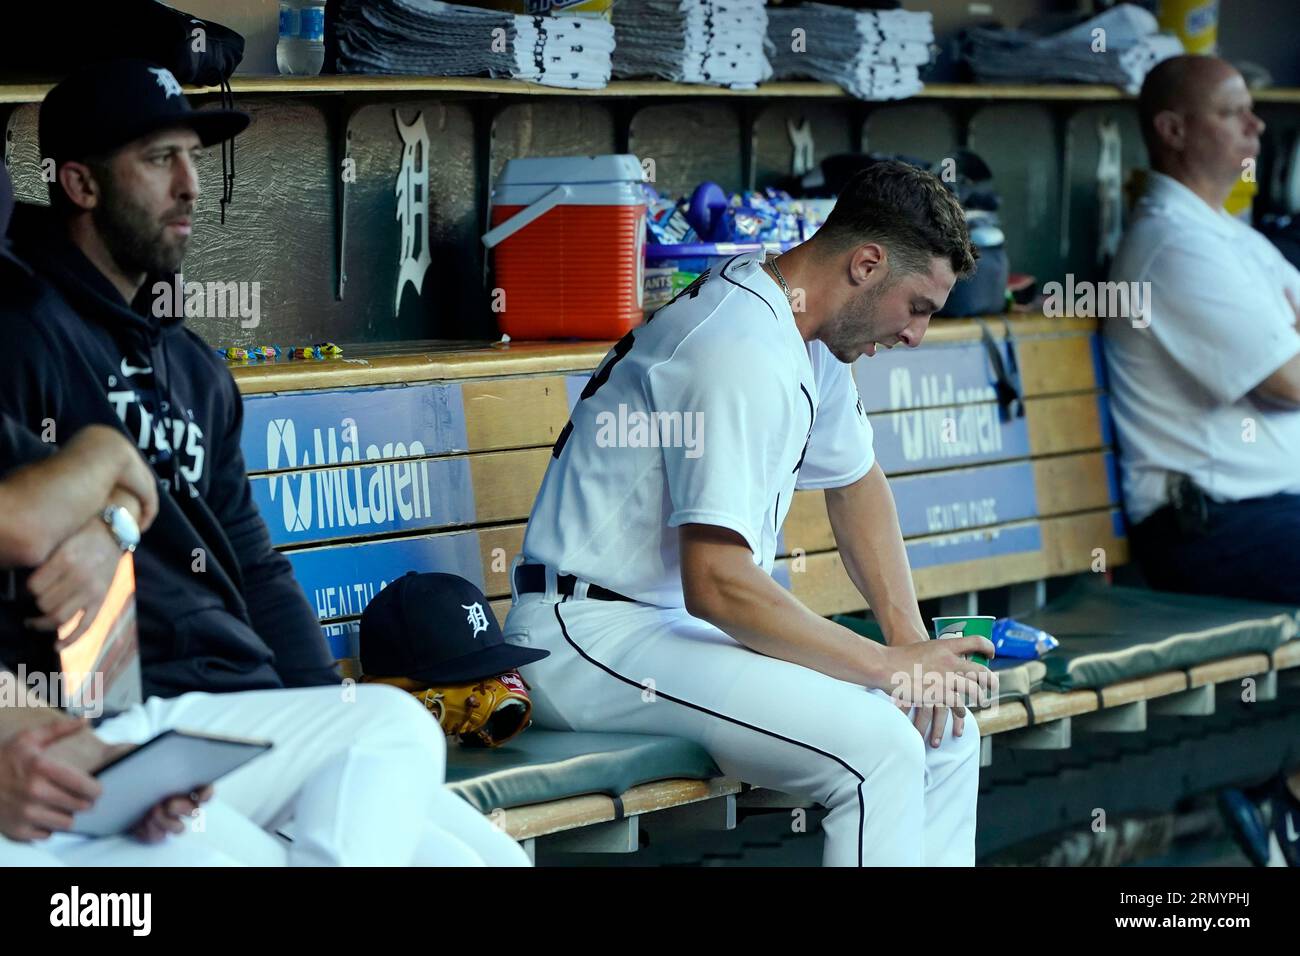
568 241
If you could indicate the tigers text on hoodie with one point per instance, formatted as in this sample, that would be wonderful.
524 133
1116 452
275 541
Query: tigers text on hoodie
219 609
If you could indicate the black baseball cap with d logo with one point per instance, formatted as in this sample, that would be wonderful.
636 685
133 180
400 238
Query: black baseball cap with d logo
437 628
105 106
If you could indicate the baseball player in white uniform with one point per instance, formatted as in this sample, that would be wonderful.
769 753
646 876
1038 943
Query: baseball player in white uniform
646 567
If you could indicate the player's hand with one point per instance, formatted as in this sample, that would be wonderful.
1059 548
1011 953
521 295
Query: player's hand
929 721
170 815
74 580
39 792
134 476
934 677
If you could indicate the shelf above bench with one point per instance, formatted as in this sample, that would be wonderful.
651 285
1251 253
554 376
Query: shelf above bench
32 92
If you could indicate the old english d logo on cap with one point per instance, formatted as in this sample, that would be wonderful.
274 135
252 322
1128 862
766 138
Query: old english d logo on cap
436 628
165 80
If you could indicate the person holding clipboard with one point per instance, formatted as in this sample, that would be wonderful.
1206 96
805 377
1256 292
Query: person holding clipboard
315 774
86 791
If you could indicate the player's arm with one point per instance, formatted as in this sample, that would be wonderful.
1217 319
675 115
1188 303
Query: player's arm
52 496
723 585
865 523
1193 321
1282 387
870 542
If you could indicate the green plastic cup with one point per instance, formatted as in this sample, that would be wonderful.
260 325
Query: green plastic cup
966 625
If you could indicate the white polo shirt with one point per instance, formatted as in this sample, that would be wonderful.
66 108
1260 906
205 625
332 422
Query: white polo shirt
1220 324
713 412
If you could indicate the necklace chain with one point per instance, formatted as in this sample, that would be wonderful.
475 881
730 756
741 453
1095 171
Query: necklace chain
780 278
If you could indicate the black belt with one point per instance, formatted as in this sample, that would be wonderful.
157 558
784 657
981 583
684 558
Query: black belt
531 579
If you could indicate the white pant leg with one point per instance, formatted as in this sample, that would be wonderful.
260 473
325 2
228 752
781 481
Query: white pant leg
227 839
952 779
439 847
218 837
352 767
618 666
26 854
453 816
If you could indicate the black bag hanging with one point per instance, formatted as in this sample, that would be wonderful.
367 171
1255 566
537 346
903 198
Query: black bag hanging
197 51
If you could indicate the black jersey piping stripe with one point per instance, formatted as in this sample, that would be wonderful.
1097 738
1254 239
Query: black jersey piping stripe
742 285
862 810
812 420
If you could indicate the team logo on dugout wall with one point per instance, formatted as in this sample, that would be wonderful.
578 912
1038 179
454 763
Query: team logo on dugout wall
412 192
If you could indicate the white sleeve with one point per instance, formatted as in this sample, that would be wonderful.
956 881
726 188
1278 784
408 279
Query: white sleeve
1229 335
840 449
1286 273
742 410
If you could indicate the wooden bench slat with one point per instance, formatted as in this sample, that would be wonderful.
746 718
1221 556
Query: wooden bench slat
1288 655
515 413
1053 705
506 483
1144 688
1232 668
1075 482
1061 423
1051 365
540 819
498 547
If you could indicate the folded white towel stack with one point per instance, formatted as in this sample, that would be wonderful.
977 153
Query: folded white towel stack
718 42
1118 47
873 54
432 38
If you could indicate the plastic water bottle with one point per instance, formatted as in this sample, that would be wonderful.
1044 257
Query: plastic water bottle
287 55
311 30
301 48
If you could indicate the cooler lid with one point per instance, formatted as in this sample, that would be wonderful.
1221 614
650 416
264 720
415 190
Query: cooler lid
550 170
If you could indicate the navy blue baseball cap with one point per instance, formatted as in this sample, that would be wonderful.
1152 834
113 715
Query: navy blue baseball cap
437 628
103 107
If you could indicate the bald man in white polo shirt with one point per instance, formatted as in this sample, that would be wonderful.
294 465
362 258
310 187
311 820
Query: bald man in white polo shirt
1206 397
1205 387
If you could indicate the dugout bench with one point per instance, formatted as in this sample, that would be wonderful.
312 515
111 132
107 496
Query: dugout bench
997 441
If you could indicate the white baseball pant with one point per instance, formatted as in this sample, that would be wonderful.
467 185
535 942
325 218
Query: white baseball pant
354 778
633 668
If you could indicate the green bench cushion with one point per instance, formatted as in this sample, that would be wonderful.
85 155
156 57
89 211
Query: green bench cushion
543 765
1020 680
1112 634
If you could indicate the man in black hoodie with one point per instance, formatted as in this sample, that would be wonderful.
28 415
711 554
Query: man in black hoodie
356 773
219 609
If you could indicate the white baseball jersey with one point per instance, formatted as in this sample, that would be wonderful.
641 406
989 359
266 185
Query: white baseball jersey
711 413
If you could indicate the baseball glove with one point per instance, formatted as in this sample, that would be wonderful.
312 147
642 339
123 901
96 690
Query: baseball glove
483 713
